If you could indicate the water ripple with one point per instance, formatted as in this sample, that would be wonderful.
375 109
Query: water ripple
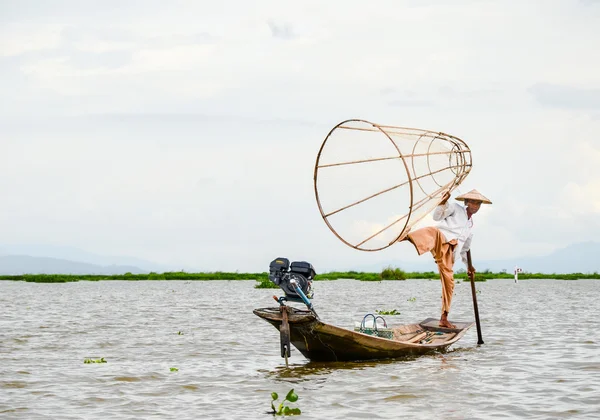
540 359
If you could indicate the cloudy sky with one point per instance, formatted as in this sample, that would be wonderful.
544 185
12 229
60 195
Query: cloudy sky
185 132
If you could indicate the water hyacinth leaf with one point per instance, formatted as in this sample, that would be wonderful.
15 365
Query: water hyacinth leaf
88 360
265 284
174 369
283 409
291 396
386 312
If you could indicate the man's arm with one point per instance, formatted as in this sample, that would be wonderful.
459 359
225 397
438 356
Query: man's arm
444 209
466 247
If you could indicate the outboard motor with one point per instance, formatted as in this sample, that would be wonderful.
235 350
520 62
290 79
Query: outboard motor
294 279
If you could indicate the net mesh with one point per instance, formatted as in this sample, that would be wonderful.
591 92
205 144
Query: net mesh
373 182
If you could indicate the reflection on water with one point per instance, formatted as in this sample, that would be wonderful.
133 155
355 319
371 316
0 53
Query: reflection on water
305 370
540 358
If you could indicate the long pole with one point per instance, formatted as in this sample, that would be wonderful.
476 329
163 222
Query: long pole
474 293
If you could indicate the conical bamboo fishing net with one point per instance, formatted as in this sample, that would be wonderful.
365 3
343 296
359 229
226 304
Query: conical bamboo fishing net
373 182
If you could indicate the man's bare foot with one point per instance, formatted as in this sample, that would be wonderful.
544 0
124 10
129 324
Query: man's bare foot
444 321
446 324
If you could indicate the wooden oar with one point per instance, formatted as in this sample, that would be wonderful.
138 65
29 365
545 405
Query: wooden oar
474 293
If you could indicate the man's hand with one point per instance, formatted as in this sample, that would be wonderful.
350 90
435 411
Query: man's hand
471 271
445 198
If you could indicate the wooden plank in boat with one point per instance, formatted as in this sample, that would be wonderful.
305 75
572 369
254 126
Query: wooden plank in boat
435 324
404 337
407 329
417 338
442 338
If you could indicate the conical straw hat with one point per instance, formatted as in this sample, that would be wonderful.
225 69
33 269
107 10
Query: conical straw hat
473 195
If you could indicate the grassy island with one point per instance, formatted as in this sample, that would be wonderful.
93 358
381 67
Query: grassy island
388 273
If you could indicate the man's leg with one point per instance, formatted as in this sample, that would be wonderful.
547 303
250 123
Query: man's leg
425 239
431 239
443 254
447 278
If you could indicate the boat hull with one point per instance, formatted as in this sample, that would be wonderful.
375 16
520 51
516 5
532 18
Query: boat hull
319 341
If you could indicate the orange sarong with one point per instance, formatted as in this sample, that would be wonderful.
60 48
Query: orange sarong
431 239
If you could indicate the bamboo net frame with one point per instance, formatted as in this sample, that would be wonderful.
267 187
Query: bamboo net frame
459 162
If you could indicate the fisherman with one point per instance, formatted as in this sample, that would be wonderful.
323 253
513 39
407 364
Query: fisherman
452 236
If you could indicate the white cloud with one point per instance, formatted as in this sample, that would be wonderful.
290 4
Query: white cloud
176 58
184 185
583 199
21 38
101 46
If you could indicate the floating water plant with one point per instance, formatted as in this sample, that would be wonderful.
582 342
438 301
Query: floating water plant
101 360
412 299
174 369
265 284
179 332
392 312
284 409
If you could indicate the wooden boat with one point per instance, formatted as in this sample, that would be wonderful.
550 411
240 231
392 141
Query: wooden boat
319 341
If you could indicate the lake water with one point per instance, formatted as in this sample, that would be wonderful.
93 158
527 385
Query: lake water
540 360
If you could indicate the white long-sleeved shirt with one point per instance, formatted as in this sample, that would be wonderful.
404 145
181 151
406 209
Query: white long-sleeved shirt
455 224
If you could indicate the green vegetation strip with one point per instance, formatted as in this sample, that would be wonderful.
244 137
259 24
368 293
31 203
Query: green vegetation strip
387 273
